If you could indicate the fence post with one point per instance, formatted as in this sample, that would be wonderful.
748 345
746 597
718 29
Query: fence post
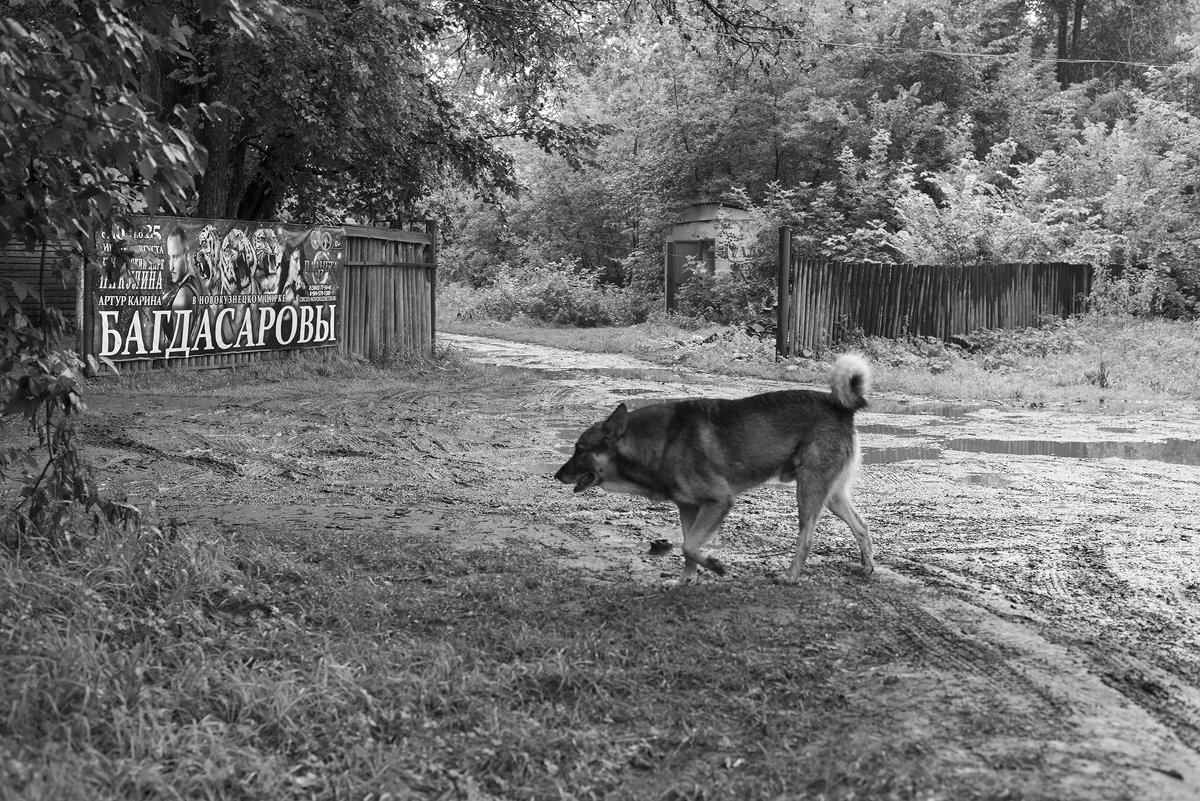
431 228
783 305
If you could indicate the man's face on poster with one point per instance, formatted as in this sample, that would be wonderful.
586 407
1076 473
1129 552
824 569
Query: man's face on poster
176 256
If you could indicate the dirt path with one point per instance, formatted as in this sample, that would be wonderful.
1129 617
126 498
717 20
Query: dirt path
1051 557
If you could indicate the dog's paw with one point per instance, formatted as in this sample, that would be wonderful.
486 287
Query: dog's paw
715 565
676 583
787 579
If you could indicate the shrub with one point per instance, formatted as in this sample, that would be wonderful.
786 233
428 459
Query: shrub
726 298
557 293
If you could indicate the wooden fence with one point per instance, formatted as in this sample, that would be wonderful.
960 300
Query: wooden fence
821 300
388 300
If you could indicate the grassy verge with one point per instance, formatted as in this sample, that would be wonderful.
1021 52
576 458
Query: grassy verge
1088 360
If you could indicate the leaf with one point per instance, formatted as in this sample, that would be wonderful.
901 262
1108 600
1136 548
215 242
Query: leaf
153 196
54 139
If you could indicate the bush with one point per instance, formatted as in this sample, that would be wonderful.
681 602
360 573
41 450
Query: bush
1138 292
558 293
727 298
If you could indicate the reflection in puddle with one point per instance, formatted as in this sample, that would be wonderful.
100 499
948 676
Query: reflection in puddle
1172 451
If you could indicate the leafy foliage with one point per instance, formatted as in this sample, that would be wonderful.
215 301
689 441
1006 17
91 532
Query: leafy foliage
82 144
553 293
937 132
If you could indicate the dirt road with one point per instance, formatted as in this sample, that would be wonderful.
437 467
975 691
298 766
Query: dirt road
1053 555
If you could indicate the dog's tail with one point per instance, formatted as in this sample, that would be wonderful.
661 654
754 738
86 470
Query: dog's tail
850 381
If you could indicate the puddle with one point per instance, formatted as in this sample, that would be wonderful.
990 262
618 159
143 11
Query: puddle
1172 451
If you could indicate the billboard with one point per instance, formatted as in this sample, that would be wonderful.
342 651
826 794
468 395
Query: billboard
200 287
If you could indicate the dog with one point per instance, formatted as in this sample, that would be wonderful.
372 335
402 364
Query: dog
702 453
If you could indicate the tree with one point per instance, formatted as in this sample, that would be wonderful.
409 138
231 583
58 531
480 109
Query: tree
82 144
362 108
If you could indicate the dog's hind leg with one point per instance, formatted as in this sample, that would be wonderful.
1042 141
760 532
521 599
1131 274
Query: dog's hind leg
687 518
840 504
811 491
700 522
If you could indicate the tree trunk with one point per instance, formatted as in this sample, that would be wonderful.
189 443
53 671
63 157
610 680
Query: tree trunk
1061 67
216 190
1076 29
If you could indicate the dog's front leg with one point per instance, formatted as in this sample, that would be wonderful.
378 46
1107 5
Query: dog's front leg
700 522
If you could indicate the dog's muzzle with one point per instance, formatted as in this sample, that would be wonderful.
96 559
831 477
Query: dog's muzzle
581 480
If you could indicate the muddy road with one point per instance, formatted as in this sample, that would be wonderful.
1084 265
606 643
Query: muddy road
1050 554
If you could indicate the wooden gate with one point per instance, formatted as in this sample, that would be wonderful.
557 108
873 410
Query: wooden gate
820 300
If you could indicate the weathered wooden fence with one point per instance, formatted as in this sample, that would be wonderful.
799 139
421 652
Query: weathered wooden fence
820 300
388 301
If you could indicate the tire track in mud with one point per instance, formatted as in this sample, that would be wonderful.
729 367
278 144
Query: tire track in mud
107 438
935 644
1150 687
1128 663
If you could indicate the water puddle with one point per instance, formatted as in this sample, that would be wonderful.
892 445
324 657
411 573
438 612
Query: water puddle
1172 451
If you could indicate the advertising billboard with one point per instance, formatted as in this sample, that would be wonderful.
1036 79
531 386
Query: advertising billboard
201 287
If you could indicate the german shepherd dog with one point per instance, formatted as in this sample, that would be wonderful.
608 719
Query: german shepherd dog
702 453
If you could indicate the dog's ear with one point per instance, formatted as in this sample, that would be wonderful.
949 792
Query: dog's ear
614 426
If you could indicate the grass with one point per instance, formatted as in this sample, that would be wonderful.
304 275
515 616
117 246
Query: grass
176 663
1084 360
